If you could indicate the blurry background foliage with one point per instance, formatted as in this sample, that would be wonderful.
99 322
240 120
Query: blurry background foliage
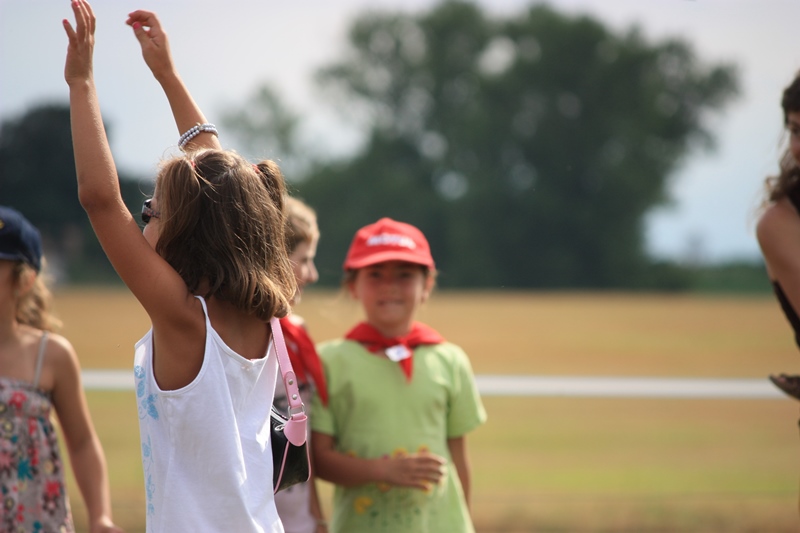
37 177
528 149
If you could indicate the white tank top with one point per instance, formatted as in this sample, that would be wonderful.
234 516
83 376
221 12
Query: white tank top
205 447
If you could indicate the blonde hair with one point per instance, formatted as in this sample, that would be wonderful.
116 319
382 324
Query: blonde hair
222 223
34 308
301 223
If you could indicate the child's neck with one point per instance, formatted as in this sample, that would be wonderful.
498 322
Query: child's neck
9 331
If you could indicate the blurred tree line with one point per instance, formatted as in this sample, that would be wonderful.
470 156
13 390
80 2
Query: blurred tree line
37 177
528 148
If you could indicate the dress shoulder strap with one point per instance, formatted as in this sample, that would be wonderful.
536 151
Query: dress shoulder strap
40 359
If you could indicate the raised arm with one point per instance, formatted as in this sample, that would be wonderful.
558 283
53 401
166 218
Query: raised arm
156 285
155 50
98 184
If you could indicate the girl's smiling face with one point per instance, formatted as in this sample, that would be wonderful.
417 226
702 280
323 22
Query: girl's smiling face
391 293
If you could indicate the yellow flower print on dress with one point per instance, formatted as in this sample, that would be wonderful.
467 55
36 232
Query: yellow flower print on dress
362 503
399 452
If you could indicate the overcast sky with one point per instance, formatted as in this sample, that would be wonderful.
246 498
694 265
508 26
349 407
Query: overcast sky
224 49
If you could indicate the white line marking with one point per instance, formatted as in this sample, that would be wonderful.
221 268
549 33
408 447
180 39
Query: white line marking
627 387
567 386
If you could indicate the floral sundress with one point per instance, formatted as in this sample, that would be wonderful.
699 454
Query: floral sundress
32 488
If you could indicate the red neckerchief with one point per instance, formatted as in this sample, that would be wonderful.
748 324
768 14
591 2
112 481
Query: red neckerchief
304 357
401 348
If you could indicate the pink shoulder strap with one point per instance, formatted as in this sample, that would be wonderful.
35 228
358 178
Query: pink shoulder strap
295 429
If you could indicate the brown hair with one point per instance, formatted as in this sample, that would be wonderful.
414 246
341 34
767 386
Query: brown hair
301 223
222 223
789 175
34 308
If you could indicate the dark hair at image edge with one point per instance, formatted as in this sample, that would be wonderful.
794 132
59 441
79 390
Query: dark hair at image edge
789 176
222 222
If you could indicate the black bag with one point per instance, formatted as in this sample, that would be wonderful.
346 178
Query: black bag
290 463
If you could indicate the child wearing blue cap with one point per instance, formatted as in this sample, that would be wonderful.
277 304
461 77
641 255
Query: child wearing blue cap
39 372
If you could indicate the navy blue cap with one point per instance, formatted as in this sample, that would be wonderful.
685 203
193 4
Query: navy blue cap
19 239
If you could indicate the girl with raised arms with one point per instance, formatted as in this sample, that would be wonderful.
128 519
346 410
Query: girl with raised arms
210 270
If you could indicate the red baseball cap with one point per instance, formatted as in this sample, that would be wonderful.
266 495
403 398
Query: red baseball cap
388 240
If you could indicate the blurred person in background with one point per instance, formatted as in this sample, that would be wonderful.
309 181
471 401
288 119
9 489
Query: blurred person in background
298 506
778 228
39 373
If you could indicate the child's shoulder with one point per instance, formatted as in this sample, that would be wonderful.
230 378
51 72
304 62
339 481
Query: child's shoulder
60 354
59 360
447 348
59 342
448 355
334 347
55 345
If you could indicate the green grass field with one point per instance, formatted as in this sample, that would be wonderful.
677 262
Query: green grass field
554 464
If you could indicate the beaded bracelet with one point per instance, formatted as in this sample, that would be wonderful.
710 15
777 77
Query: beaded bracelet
194 131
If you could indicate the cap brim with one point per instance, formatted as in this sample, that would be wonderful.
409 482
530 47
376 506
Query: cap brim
13 257
383 257
21 258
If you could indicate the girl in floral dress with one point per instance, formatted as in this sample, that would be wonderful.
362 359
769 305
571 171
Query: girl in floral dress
39 372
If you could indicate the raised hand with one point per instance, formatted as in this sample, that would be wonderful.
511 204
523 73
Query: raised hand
78 67
154 42
157 56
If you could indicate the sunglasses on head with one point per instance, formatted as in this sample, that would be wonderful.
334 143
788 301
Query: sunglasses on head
148 212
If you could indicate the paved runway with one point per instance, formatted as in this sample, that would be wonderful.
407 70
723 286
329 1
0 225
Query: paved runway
565 386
